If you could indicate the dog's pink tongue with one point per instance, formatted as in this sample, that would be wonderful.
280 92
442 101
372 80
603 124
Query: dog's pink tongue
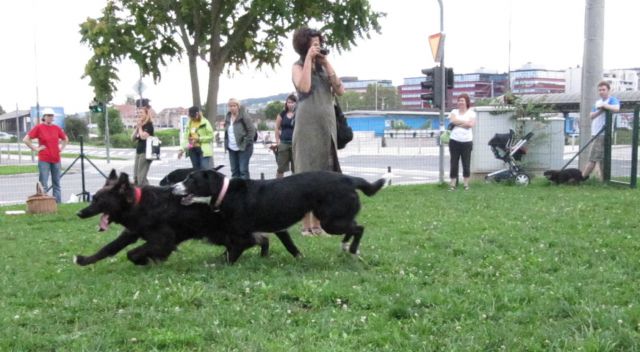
104 222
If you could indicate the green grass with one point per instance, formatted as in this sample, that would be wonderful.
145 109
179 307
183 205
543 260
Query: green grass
18 169
542 268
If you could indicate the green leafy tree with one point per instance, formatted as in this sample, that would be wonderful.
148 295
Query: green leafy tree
272 109
388 98
352 101
227 35
74 128
2 110
115 122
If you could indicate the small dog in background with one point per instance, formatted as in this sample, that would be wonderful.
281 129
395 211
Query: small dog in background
573 176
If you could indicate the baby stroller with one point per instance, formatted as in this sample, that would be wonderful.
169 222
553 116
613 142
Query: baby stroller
507 149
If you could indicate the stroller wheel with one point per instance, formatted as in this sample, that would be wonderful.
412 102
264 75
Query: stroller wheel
522 179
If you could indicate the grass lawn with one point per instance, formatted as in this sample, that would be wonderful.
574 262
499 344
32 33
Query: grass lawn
18 169
542 268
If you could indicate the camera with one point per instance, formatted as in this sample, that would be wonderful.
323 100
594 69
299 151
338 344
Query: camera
324 51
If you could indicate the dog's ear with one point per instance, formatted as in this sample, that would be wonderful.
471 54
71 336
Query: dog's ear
125 188
113 175
124 178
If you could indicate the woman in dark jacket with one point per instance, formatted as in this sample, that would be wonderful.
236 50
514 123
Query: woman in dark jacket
284 135
238 139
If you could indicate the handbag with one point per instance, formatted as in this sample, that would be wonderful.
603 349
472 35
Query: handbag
445 136
344 133
152 151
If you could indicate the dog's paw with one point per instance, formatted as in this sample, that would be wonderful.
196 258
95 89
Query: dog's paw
344 246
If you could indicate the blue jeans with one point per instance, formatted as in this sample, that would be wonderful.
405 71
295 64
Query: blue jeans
44 169
197 160
239 162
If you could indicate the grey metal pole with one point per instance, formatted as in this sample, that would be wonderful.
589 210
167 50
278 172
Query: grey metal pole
591 68
442 102
107 140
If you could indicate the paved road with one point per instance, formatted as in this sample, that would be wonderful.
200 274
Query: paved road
14 189
415 164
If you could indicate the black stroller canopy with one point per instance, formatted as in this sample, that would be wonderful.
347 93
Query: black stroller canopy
500 140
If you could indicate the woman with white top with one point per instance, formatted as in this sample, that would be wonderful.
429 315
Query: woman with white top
238 139
461 141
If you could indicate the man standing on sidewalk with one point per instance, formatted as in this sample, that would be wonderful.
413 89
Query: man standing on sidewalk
48 136
598 113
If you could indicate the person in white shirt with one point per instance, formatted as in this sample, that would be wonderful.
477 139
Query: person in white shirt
605 103
461 141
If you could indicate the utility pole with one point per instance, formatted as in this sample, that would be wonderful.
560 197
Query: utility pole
443 99
591 68
106 132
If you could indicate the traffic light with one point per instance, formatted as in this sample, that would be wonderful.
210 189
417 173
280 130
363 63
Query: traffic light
95 106
429 85
449 77
433 83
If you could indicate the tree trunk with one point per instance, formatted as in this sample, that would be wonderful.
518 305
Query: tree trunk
195 83
215 70
591 68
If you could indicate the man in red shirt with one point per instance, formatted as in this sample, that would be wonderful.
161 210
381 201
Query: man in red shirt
48 135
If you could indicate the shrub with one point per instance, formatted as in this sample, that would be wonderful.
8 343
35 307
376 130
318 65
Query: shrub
169 137
74 128
122 140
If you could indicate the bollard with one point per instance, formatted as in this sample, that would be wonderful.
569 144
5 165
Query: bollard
262 175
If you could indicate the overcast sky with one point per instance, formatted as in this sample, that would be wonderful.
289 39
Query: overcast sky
40 47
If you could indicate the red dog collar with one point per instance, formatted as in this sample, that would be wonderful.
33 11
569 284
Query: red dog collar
138 195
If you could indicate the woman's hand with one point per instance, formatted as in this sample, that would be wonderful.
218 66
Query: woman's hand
313 53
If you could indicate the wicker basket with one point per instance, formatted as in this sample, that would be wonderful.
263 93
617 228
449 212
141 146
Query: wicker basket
41 203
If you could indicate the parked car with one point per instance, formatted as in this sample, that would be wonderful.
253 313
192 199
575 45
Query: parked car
4 136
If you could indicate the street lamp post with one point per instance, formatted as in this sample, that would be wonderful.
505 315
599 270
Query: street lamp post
443 99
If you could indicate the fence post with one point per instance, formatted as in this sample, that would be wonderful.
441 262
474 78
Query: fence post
606 167
634 148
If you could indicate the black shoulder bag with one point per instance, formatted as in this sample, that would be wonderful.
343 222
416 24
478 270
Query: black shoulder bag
344 132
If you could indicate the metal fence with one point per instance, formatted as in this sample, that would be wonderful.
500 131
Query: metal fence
412 157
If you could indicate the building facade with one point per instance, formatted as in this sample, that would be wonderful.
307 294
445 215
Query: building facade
353 84
478 85
621 80
530 79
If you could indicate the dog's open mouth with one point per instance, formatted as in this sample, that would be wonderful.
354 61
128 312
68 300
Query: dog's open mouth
104 222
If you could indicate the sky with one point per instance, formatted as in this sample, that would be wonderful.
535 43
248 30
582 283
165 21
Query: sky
42 59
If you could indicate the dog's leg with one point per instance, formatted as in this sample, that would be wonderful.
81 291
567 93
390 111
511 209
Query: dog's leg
287 242
358 231
126 238
345 242
262 240
139 255
235 251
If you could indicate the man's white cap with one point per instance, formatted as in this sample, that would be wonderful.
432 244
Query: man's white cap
48 111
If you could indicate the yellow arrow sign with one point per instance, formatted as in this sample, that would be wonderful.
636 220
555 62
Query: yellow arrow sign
436 42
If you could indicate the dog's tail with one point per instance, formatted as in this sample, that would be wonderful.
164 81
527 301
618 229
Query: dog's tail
368 188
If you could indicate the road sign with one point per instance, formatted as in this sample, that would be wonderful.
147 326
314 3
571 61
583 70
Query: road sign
436 42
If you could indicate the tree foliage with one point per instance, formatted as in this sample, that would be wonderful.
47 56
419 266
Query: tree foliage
272 109
227 35
2 110
115 122
387 99
74 128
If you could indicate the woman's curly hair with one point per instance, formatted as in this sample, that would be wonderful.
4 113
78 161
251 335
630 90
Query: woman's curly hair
302 40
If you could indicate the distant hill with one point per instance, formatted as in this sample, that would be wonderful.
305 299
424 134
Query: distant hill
254 104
